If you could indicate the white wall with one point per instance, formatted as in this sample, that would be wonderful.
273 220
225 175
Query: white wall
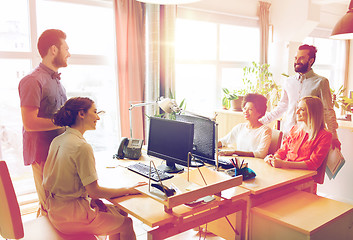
340 187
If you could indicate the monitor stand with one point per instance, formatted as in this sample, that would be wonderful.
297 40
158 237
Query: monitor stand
171 168
196 163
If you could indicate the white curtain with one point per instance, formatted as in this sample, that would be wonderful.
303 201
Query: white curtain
264 18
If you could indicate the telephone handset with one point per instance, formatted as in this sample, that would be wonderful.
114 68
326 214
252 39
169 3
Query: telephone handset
129 148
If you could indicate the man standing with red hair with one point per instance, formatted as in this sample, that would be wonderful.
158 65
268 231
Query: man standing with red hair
41 95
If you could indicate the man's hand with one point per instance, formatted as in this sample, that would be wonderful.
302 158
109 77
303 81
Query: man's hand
336 144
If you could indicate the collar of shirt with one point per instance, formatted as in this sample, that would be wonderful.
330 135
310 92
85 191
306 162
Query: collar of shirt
302 77
75 132
52 73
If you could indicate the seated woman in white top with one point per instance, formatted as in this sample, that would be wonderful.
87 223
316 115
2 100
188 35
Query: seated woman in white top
252 138
70 180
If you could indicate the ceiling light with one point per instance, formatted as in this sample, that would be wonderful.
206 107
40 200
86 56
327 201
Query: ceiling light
344 27
168 2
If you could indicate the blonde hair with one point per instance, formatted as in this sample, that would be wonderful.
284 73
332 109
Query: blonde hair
315 110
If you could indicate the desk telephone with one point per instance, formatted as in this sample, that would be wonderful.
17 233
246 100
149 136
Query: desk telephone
129 148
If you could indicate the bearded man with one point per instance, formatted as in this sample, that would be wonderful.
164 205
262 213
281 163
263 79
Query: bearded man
41 95
304 83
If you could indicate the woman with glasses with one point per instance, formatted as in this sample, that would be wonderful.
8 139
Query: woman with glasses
70 180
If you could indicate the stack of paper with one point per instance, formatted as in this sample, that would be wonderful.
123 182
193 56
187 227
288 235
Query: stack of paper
335 161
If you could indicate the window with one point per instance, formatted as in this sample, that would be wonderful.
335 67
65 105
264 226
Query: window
330 59
210 56
14 22
91 71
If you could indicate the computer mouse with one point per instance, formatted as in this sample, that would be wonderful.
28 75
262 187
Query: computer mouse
168 191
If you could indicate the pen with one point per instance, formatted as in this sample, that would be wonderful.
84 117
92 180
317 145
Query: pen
236 163
232 161
241 164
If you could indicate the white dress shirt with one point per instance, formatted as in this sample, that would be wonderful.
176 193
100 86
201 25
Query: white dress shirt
296 87
256 140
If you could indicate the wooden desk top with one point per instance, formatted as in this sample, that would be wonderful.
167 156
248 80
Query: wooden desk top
144 208
303 211
268 178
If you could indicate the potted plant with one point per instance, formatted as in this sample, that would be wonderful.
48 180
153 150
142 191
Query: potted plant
258 79
342 102
232 100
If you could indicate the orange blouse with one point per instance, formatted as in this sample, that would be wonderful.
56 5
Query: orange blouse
296 147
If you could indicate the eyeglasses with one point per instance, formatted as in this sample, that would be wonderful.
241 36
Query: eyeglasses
100 112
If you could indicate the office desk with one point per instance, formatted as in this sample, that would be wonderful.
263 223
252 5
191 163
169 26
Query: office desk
181 218
271 182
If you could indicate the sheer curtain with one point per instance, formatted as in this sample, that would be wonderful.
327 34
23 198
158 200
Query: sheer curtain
264 13
130 36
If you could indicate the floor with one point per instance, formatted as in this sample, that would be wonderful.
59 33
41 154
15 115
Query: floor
141 233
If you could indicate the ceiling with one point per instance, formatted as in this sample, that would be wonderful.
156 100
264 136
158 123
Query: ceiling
245 7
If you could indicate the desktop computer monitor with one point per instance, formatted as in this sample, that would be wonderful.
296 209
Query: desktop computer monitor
204 146
172 141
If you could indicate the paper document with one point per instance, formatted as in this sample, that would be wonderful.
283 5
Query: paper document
335 161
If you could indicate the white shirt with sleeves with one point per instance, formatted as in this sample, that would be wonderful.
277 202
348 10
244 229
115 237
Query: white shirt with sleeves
295 88
70 165
256 140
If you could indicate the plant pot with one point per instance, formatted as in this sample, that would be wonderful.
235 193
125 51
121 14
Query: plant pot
235 105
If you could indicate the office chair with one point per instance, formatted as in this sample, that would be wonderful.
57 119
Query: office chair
276 140
11 226
320 176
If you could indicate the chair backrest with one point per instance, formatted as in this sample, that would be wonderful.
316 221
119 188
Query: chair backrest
320 175
11 225
10 216
276 140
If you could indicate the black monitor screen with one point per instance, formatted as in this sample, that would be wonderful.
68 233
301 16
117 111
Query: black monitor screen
170 140
204 136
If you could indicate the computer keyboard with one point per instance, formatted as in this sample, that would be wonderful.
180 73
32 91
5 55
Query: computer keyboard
144 170
222 162
225 163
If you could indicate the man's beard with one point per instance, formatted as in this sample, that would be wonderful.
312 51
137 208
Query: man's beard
59 61
301 68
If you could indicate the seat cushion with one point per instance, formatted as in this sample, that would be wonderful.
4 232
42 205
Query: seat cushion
41 229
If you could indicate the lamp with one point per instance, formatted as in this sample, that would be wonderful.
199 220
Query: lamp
169 105
166 104
168 2
344 27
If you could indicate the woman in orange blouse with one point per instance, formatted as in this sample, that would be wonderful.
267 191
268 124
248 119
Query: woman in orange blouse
308 142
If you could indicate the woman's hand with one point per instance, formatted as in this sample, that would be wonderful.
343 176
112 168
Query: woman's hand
133 191
274 161
268 158
226 153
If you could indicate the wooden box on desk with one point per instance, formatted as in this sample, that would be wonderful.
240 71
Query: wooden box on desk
301 215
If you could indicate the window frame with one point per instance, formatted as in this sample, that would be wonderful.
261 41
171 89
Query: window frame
34 59
218 19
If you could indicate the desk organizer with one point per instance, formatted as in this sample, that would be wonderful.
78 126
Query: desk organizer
246 172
